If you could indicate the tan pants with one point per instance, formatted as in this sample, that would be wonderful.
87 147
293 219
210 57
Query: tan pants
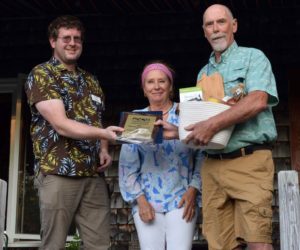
63 199
237 200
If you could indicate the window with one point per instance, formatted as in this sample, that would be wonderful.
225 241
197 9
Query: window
23 219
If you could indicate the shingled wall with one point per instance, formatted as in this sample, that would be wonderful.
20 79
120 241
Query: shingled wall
123 232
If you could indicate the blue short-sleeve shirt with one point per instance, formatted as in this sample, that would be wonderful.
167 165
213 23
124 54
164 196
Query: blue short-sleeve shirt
252 68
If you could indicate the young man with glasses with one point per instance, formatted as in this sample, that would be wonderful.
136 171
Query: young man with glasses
70 145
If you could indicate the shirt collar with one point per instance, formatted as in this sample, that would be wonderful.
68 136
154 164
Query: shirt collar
224 55
60 66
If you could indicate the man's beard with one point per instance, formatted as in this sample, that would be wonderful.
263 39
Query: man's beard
219 45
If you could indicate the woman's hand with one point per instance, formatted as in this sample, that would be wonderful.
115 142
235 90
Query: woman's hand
146 211
170 131
189 202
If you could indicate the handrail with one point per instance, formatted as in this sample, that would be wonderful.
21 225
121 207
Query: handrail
289 210
3 189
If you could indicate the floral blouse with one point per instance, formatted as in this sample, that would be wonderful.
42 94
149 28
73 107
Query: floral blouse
162 172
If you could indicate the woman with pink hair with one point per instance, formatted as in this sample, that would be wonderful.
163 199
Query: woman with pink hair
161 181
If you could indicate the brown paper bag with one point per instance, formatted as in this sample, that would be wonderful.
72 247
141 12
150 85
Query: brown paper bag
212 86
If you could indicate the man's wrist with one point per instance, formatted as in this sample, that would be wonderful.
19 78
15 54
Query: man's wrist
104 150
193 189
104 146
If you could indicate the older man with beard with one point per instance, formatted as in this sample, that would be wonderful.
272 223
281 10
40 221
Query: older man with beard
237 181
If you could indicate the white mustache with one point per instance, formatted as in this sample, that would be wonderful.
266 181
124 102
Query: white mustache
217 35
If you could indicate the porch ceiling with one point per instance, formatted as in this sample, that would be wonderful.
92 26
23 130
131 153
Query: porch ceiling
124 34
40 8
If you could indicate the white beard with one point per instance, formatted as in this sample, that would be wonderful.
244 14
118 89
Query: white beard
220 45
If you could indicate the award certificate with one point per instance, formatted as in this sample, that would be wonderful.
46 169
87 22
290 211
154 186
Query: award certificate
139 127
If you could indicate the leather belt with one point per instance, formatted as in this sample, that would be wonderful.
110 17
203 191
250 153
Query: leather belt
240 152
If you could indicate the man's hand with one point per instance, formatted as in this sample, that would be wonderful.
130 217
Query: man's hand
105 161
189 202
201 133
111 132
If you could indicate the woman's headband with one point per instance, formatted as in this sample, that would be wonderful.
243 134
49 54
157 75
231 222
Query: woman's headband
157 66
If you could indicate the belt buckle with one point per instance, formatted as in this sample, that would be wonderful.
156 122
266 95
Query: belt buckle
243 152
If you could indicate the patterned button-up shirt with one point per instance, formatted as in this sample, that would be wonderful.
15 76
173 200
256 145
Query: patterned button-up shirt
250 67
83 102
161 172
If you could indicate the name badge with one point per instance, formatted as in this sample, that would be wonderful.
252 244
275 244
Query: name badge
96 99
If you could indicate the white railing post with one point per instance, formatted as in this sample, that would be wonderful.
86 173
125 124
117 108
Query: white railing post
289 210
3 188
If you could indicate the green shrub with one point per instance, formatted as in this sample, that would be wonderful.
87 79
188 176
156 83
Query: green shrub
74 244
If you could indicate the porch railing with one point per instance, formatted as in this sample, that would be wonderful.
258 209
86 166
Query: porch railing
289 210
3 188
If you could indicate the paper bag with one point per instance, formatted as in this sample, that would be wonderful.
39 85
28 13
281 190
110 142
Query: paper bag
212 86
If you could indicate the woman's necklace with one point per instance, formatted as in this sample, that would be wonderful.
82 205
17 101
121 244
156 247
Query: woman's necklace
166 112
168 109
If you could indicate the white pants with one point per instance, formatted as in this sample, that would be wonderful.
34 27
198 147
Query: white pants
167 231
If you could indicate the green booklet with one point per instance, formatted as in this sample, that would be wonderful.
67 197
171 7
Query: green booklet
190 94
139 127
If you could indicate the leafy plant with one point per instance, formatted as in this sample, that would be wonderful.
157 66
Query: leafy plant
74 244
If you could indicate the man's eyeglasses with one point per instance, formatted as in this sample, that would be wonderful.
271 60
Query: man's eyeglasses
67 39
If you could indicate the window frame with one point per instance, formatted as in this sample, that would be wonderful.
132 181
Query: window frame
15 87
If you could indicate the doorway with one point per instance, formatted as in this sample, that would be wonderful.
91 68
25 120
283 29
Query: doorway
5 114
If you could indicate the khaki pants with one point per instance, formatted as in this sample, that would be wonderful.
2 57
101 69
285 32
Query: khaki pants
63 199
237 200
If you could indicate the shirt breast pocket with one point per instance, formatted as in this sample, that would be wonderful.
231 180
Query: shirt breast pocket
234 77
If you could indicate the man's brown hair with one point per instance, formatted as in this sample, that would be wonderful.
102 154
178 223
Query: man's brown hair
67 22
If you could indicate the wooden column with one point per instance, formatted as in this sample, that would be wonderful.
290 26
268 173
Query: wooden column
289 210
3 188
294 114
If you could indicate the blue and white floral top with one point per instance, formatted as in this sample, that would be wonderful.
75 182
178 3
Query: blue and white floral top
162 172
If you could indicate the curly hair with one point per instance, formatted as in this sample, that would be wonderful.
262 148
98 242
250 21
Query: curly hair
67 22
